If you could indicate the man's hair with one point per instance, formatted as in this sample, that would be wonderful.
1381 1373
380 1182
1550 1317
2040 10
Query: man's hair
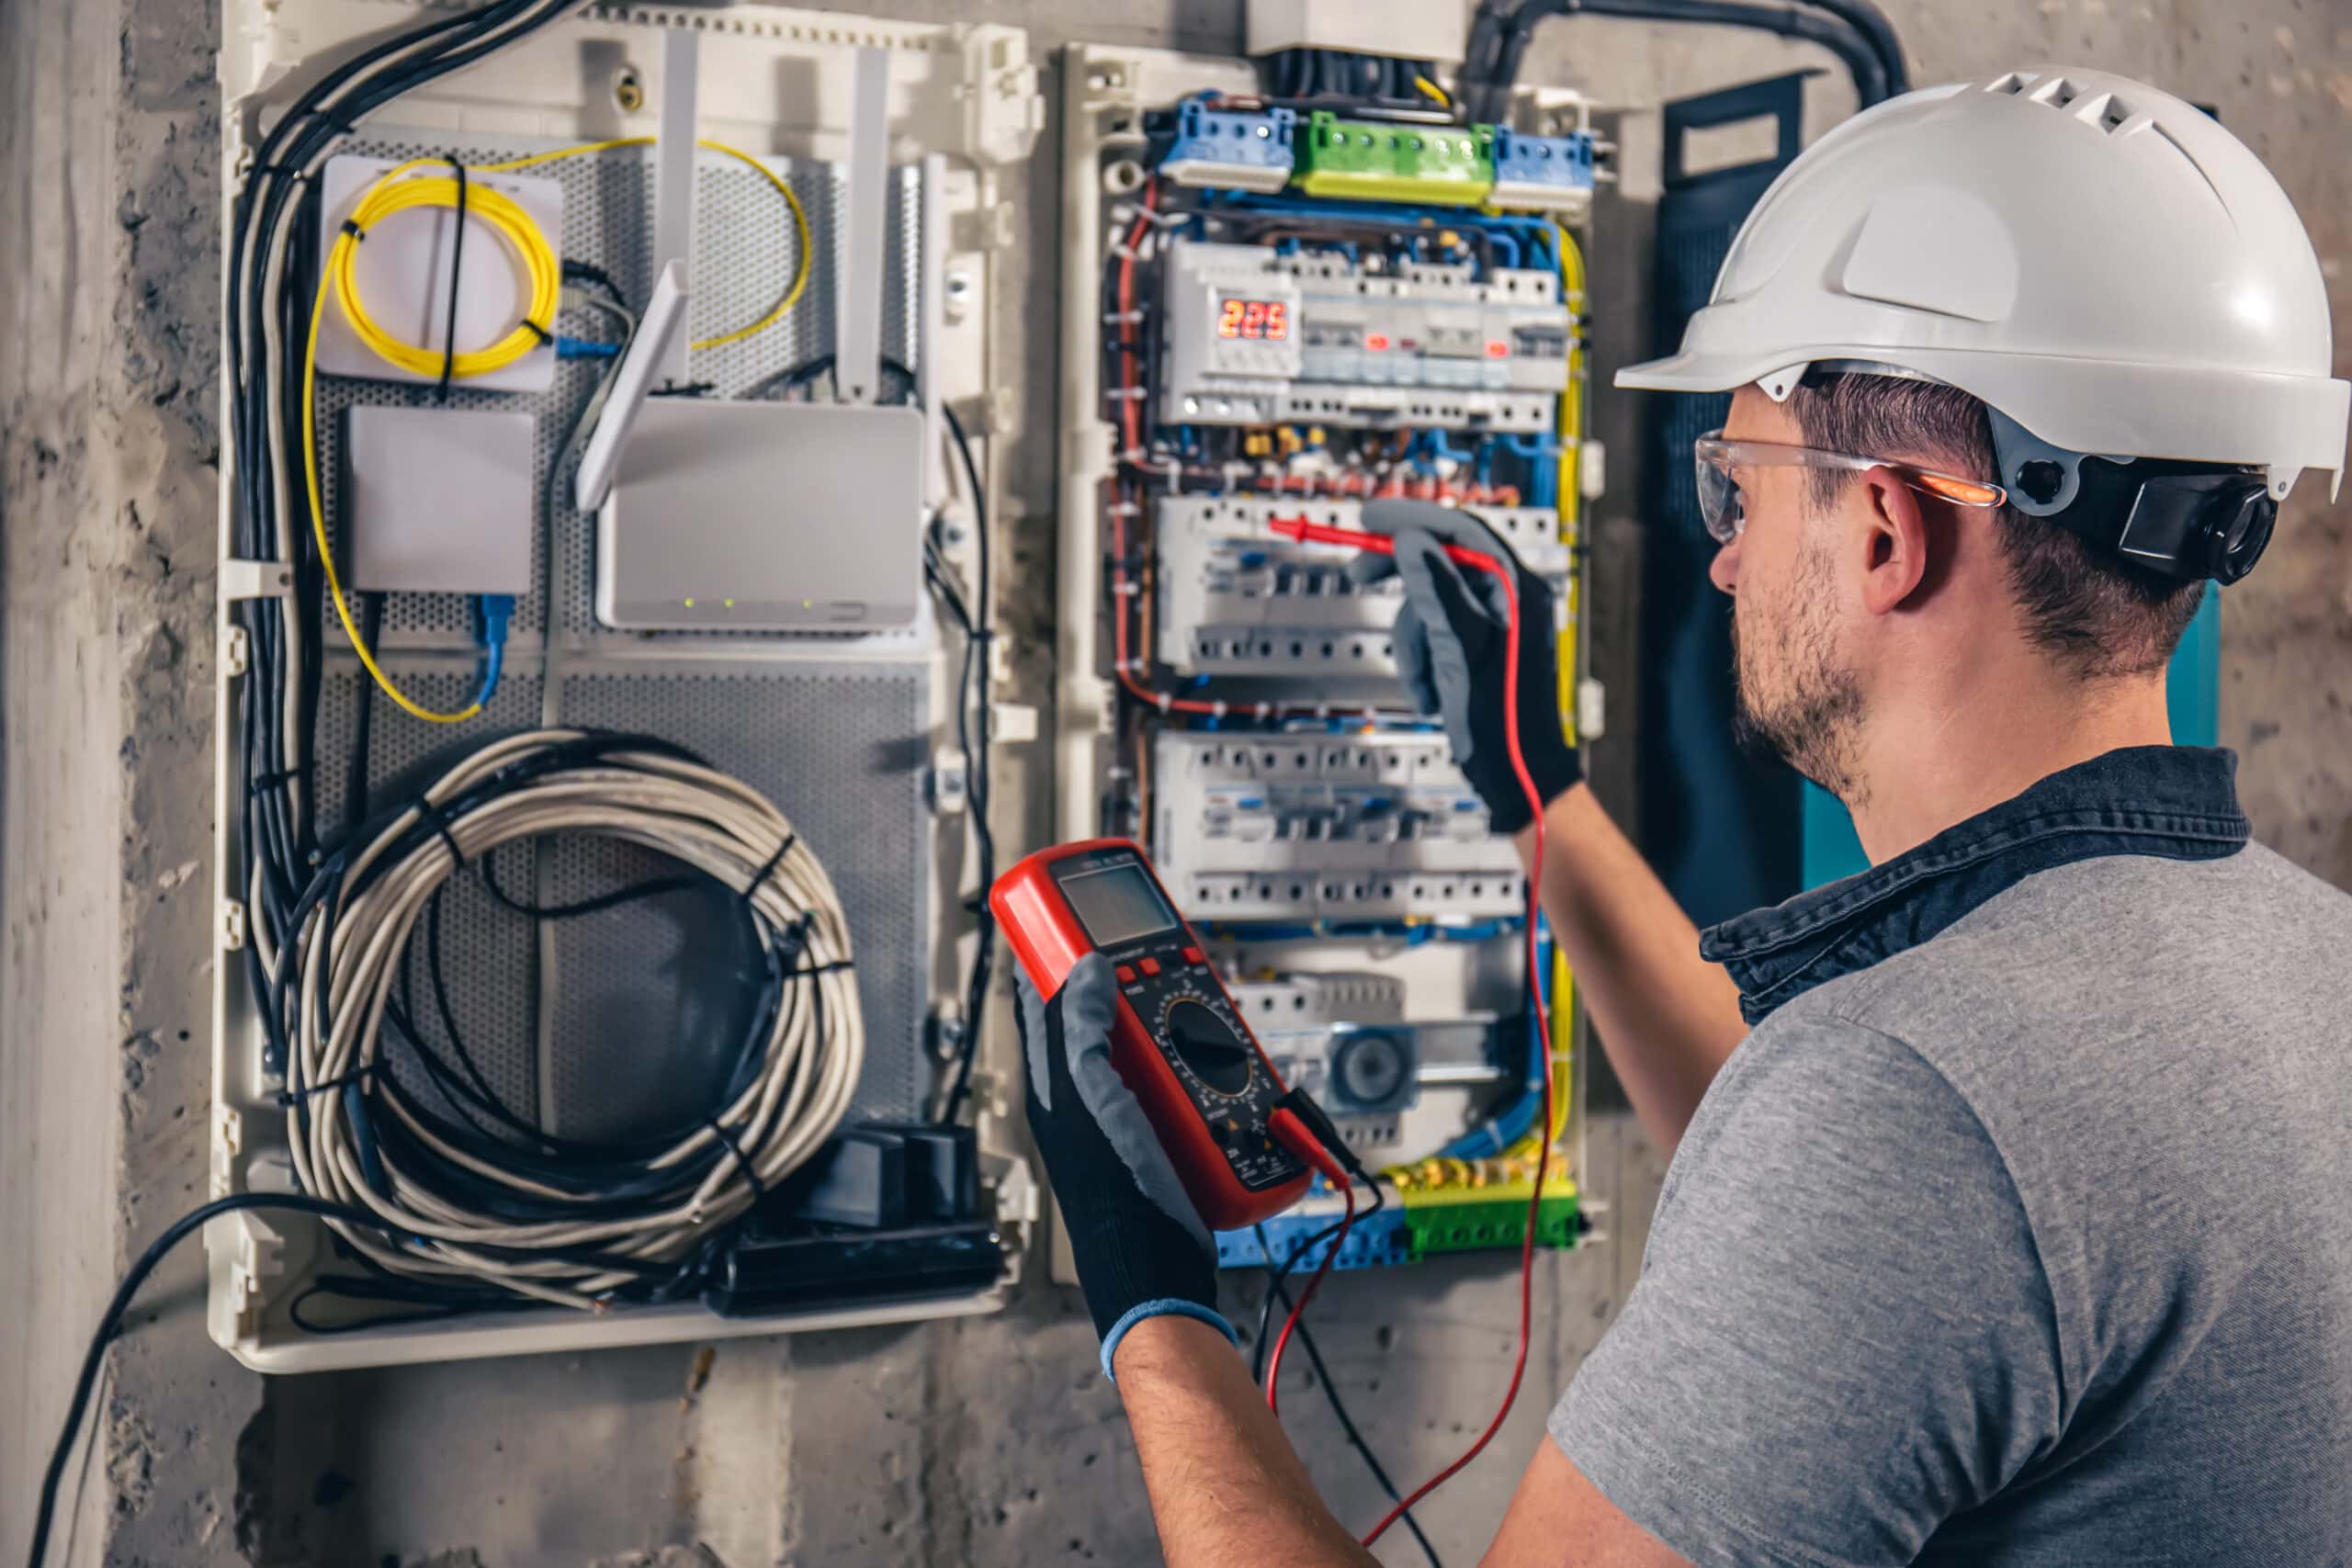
2096 613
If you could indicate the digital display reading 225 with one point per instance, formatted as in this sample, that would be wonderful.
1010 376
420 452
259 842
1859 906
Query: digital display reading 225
1265 319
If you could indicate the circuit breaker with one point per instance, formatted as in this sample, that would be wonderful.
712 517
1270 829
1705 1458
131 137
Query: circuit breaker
1235 599
1256 336
1327 828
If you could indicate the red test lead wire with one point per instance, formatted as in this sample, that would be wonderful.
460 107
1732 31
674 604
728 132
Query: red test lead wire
1300 529
1294 1135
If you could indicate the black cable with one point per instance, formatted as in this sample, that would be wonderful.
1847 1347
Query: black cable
977 656
1497 51
355 784
457 262
110 1321
1339 1410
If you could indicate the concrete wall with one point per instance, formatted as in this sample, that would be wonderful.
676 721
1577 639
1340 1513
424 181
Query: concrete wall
985 1442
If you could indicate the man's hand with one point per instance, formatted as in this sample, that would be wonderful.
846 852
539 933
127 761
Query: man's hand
1141 1248
1452 646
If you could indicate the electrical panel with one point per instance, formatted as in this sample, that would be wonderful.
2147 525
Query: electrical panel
1237 600
1309 301
681 596
1257 336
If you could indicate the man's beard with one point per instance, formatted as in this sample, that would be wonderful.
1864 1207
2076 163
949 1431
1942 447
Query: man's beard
1813 723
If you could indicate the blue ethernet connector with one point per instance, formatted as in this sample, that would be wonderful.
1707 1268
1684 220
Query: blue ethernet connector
1231 148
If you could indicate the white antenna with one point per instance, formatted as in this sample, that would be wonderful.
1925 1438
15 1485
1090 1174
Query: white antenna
640 363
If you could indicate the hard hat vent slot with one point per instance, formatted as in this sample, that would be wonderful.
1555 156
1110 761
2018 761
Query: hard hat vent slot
2013 84
2057 93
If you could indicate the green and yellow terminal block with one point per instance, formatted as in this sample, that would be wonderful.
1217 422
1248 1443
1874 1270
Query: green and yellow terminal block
1423 164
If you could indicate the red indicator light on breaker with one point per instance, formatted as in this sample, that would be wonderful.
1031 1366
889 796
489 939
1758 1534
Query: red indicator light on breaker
1376 343
1497 349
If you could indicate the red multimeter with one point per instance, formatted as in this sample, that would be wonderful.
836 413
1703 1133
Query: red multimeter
1178 1040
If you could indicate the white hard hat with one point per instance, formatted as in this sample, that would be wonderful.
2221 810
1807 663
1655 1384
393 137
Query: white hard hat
2100 261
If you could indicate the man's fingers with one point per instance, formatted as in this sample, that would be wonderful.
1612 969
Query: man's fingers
1449 524
1411 641
1368 567
1434 582
1103 1095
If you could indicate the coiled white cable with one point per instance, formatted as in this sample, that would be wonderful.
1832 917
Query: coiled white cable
549 1240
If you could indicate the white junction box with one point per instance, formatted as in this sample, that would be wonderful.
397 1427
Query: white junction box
1400 30
1236 599
1326 827
440 500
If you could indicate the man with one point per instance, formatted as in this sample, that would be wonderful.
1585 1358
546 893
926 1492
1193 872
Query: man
2006 1219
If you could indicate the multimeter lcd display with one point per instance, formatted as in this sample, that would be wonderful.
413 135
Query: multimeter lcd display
1268 320
1117 903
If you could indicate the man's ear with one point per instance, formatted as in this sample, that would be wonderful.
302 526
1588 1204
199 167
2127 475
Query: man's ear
1896 543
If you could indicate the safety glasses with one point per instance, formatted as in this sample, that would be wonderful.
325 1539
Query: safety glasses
1725 513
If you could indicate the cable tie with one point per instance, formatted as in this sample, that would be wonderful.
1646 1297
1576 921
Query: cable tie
289 1098
759 878
759 1188
544 336
1125 394
1265 710
1165 700
1122 318
1217 708
262 782
1126 589
1126 252
354 230
1125 509
431 812
457 259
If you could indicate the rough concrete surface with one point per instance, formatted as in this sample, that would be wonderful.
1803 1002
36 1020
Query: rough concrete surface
986 1442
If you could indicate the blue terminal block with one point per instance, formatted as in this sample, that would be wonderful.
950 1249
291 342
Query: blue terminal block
1375 1241
1231 148
1542 174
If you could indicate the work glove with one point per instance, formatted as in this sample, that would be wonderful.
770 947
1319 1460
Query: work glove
1453 642
1141 1249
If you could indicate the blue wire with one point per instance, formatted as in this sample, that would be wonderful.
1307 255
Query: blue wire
496 610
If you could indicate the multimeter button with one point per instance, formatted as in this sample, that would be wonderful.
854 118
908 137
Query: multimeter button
1151 966
1194 955
1126 974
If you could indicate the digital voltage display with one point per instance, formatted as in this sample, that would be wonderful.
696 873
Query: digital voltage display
1266 319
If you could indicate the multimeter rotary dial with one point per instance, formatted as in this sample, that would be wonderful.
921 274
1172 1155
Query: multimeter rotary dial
1208 1047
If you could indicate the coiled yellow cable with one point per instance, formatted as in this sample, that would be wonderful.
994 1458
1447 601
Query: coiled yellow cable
542 273
503 215
799 218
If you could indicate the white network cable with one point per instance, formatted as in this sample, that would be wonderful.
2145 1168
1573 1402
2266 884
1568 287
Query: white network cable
349 951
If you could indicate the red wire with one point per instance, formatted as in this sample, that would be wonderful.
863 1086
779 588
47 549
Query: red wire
1543 1031
1281 1340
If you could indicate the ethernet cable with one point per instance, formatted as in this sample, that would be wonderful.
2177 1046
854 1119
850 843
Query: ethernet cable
540 1217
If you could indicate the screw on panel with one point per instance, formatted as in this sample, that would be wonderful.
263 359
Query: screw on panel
629 90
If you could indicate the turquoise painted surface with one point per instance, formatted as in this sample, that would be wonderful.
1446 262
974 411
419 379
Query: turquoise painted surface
2192 691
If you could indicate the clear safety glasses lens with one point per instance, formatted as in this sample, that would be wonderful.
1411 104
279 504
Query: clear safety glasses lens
1720 506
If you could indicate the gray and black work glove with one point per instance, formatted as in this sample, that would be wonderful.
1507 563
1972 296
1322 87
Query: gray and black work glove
1141 1249
1452 643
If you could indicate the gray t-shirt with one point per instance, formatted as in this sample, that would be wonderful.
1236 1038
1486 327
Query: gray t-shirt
2031 1244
